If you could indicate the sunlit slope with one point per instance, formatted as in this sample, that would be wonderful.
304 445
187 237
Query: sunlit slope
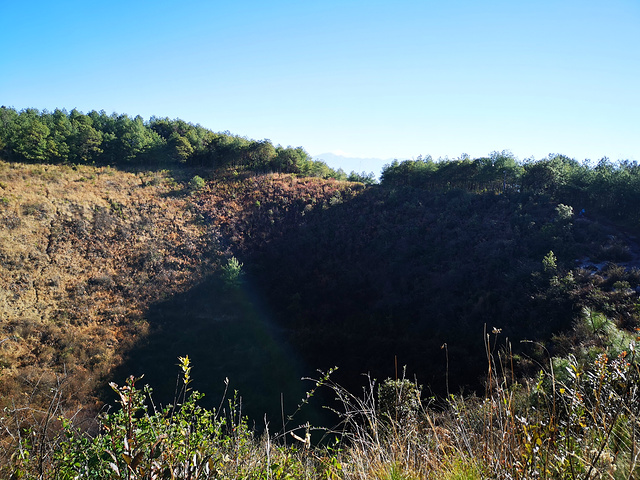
83 252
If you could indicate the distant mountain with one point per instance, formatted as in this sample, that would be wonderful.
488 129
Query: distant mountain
349 164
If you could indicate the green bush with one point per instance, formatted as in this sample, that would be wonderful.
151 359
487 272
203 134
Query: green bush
183 440
196 183
564 212
232 273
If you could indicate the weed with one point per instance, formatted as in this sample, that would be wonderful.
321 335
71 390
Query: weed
141 440
117 208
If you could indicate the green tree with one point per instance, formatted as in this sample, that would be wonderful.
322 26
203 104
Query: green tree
259 154
180 148
85 140
225 149
286 160
364 177
8 122
232 273
30 136
550 263
548 176
61 131
129 139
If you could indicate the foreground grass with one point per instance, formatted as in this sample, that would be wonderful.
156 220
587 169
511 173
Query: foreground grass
577 419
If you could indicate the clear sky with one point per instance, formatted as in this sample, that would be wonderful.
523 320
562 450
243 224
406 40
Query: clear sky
391 79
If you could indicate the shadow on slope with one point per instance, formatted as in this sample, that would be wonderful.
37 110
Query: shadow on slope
382 280
227 335
395 274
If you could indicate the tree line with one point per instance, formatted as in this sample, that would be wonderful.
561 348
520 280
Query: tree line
606 188
73 137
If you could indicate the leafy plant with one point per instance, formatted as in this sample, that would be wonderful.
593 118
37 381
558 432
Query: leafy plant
581 424
232 273
564 212
399 400
550 263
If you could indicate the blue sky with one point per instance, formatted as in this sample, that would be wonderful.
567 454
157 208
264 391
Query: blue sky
368 79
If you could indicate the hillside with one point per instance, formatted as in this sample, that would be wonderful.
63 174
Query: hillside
85 251
90 253
385 277
108 273
101 265
252 266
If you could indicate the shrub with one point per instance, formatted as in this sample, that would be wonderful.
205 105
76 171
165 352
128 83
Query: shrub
399 400
196 183
550 263
184 440
232 273
564 212
583 423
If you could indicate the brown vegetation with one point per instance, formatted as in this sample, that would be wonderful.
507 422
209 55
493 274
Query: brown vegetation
83 251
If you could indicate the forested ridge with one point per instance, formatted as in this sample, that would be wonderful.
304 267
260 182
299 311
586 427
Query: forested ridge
126 244
120 140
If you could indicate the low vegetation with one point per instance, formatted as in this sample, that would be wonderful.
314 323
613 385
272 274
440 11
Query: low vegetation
578 418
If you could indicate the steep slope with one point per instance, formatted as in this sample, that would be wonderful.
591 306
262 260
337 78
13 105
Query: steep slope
385 277
100 266
231 332
103 268
83 252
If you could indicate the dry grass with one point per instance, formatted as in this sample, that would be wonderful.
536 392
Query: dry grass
577 420
83 251
580 426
